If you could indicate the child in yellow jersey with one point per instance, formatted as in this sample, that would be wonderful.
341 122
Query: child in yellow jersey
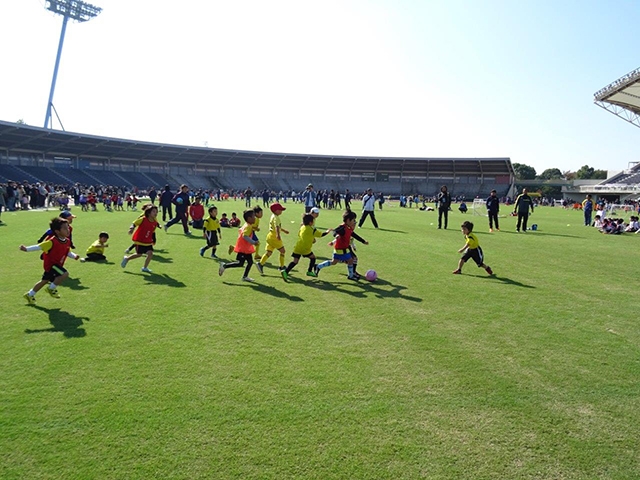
306 237
95 253
274 239
471 249
211 231
244 247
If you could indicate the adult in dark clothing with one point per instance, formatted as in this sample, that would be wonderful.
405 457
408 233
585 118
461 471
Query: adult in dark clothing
165 202
247 197
444 204
181 201
523 203
347 200
152 195
493 207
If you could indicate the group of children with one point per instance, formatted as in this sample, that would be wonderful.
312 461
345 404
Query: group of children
616 226
247 244
56 245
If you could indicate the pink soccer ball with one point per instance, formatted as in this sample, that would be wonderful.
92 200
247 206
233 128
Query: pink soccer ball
371 275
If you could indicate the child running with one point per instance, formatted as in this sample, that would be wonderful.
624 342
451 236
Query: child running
471 249
211 232
95 253
56 248
244 247
274 238
144 226
306 237
341 247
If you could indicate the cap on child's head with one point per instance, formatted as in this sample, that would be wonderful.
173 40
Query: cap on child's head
315 210
276 207
66 214
103 234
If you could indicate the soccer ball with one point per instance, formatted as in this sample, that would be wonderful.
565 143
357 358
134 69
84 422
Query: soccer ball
179 201
371 275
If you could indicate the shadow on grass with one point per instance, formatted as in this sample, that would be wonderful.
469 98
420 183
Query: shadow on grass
505 280
269 290
380 288
540 233
63 322
158 279
74 284
390 230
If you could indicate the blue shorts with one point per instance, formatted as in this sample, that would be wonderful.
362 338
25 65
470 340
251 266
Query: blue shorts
254 237
342 257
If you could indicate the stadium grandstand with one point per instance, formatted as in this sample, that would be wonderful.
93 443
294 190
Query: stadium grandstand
59 157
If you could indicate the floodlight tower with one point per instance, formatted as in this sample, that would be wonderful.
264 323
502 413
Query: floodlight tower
76 10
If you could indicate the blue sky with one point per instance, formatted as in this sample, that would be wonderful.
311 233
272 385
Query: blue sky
391 78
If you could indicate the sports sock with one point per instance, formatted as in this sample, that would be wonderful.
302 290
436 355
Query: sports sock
32 293
290 266
281 260
52 286
264 258
350 269
326 263
312 263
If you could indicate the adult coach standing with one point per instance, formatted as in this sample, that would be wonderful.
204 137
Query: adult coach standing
368 208
165 202
493 207
444 204
309 199
181 201
523 203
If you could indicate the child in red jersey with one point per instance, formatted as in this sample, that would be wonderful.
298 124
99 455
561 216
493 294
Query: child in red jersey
342 245
244 247
143 236
56 248
196 212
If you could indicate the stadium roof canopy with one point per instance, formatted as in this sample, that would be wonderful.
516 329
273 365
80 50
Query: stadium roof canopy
19 139
622 97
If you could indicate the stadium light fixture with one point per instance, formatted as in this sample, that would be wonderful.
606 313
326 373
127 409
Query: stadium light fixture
69 9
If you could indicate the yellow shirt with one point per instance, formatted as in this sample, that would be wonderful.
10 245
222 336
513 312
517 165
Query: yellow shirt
211 224
274 224
256 225
306 235
96 247
472 241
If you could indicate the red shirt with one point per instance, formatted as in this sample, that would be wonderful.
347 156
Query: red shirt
196 211
144 233
55 251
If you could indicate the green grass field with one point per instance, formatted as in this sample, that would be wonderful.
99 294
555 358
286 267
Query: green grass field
530 374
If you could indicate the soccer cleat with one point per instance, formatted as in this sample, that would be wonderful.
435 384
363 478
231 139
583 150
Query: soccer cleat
213 255
188 232
83 259
54 293
489 271
491 230
31 299
146 270
457 272
221 269
285 275
166 228
124 262
316 270
260 269
353 277
311 274
127 251
230 249
202 252
247 279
